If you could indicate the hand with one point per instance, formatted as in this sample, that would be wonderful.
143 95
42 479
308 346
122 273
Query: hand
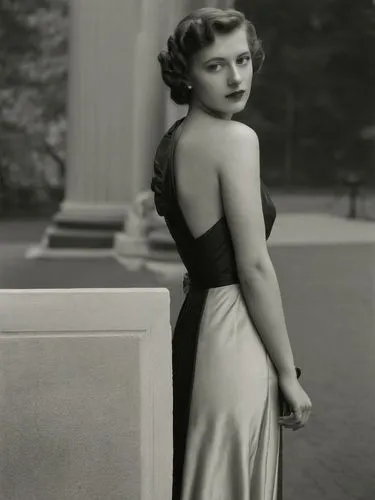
298 400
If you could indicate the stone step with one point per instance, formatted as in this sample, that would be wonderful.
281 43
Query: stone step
92 224
57 237
160 240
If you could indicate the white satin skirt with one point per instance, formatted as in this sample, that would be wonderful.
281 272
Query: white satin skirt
233 435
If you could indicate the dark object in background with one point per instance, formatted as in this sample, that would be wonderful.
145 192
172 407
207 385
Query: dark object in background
354 182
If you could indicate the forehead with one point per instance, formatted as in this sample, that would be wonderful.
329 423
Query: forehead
226 45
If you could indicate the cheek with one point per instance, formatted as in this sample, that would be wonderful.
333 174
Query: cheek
210 86
249 71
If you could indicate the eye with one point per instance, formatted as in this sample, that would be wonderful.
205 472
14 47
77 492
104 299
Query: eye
213 67
244 59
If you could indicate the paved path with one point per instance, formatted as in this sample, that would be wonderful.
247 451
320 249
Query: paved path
320 229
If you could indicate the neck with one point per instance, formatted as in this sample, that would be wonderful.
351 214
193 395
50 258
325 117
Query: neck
199 110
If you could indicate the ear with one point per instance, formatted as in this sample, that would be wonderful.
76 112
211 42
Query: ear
187 83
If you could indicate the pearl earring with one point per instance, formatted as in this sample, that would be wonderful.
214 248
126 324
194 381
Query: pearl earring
189 87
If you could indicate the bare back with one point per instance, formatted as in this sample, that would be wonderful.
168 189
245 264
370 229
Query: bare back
196 173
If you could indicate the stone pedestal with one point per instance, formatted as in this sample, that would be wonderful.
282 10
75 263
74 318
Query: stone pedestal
86 394
146 238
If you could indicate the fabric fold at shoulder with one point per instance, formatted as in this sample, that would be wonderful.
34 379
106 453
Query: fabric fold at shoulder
160 173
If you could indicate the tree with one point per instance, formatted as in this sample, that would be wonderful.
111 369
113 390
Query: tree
315 94
33 54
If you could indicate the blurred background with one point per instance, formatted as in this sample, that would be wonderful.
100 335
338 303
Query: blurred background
34 57
312 105
82 109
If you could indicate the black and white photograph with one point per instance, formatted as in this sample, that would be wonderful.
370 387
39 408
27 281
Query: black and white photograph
187 250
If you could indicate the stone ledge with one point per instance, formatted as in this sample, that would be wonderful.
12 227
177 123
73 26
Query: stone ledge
44 252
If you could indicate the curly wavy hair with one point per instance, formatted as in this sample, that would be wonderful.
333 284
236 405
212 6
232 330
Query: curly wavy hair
197 31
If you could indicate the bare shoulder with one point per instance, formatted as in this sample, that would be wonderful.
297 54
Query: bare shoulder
239 130
236 132
238 144
239 177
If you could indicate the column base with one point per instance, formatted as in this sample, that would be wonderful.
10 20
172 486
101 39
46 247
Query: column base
81 230
136 253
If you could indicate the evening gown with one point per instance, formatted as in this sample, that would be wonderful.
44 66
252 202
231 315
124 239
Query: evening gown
226 401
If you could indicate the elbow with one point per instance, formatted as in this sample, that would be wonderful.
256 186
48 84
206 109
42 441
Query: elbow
255 270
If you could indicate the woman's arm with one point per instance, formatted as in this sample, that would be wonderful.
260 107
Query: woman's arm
241 194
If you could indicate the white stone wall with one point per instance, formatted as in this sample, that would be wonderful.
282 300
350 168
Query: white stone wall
86 394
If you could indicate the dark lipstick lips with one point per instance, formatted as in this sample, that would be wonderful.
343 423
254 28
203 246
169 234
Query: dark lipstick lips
235 93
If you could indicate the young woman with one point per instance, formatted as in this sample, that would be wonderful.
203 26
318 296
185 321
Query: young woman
231 353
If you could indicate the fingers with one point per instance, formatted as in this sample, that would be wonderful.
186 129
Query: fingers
306 415
289 421
297 419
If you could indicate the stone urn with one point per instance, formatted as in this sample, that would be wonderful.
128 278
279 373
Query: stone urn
146 242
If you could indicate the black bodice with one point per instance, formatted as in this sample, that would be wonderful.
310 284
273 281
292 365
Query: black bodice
209 259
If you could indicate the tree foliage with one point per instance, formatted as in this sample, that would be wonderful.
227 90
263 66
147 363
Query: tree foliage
33 56
315 94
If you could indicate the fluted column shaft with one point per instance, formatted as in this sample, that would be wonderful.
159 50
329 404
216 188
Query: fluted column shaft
101 178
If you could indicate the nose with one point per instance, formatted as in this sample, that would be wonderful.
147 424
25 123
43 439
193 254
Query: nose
234 76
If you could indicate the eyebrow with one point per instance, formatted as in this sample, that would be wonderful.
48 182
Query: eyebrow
223 58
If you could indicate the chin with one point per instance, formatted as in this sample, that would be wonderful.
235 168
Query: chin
237 107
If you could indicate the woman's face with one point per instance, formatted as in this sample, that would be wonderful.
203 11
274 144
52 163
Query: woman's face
222 68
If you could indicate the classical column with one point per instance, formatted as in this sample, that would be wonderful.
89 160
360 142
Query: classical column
115 109
155 113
